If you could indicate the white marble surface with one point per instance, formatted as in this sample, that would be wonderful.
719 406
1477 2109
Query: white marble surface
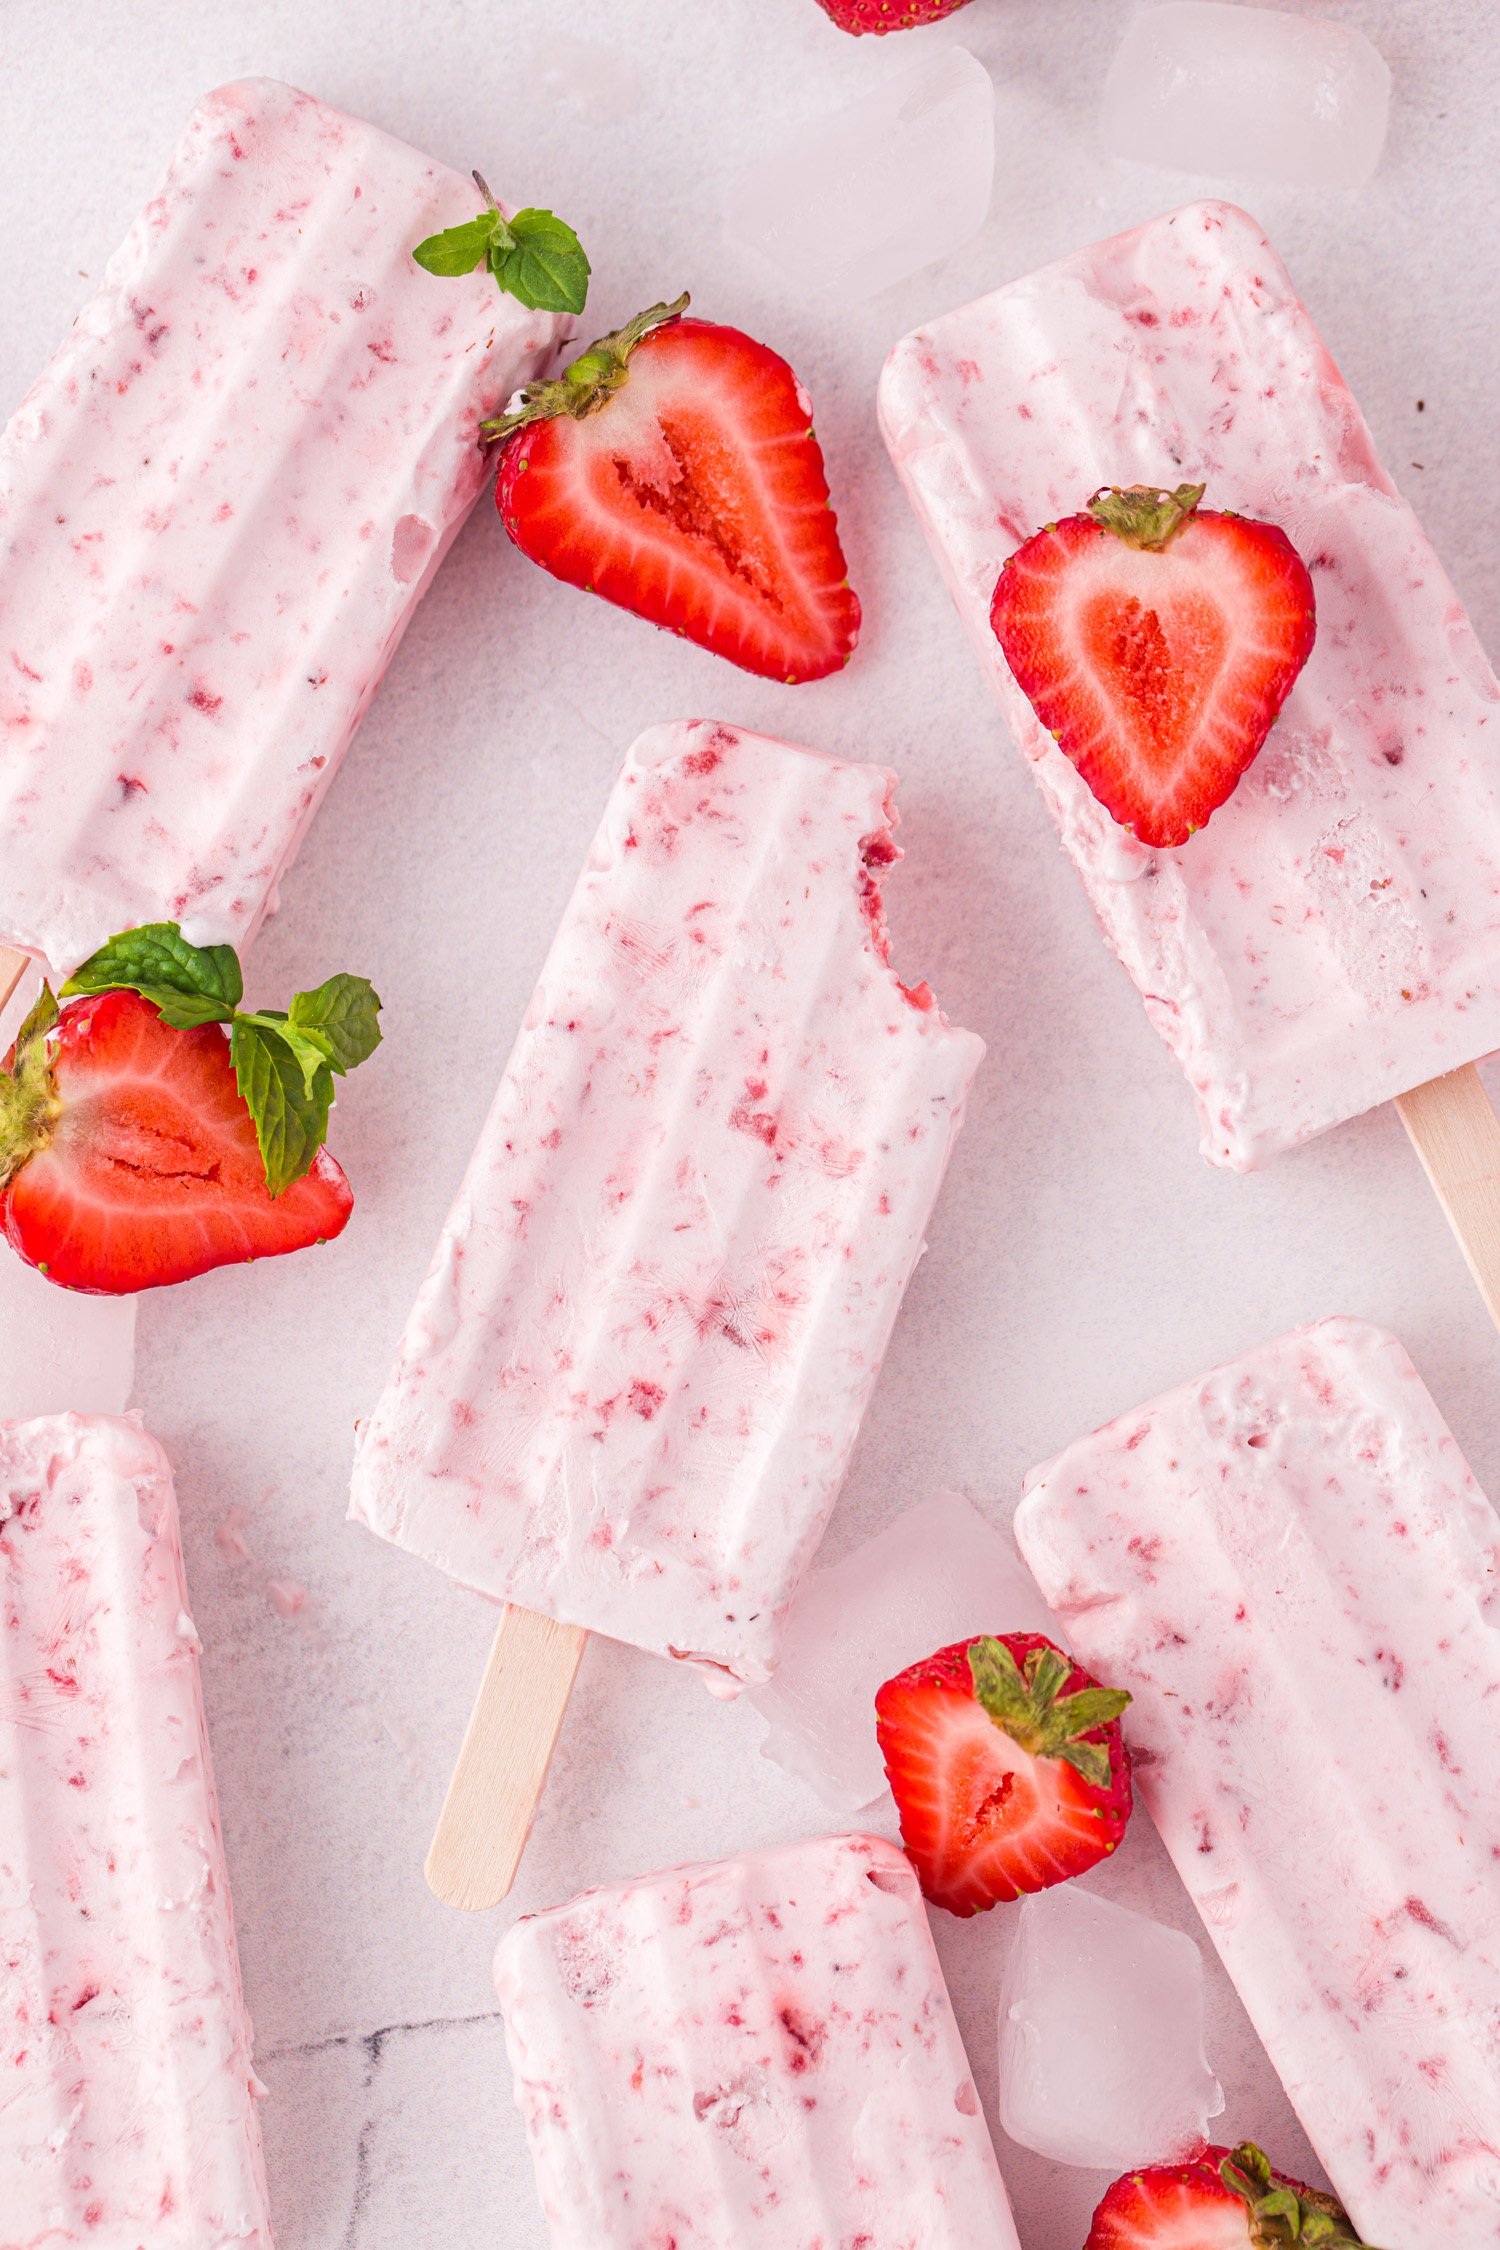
1082 1257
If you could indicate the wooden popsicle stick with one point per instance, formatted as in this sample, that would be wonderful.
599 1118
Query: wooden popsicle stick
502 1766
1454 1130
13 967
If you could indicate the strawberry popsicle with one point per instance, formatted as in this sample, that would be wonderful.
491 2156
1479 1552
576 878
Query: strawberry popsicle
127 2111
1292 1571
1331 937
219 507
746 2056
630 1384
632 1379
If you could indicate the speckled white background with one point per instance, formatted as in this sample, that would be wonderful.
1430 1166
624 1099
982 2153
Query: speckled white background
1082 1257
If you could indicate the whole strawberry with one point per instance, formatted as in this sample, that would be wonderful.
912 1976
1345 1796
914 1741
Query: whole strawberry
1008 1768
150 1129
672 468
888 15
1225 2199
1156 641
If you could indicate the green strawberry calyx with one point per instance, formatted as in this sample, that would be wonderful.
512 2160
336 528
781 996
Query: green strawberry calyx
30 1104
589 381
1025 1704
1144 515
1280 2214
534 257
285 1059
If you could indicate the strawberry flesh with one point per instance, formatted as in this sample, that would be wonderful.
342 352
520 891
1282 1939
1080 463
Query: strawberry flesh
1221 2199
981 1818
694 496
1160 673
153 1173
1172 2207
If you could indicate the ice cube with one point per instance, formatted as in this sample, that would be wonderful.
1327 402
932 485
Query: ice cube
1101 2035
938 1574
1206 86
592 84
866 195
59 1350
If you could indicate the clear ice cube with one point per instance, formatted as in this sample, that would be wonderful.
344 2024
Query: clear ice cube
61 1351
939 1574
1101 2035
1256 93
865 196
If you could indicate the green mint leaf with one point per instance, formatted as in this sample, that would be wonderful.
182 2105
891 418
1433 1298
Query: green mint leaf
457 250
341 1017
310 1052
290 1111
543 265
190 984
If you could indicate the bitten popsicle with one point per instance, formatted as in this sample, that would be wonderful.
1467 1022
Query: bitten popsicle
748 2055
1291 1569
127 2092
1331 938
630 1385
219 507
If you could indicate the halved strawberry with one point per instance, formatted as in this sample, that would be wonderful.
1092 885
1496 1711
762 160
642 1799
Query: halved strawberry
1224 2199
1008 1768
1157 642
673 469
144 1166
887 15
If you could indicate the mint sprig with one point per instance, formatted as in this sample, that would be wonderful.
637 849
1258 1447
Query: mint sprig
285 1060
534 257
1026 1705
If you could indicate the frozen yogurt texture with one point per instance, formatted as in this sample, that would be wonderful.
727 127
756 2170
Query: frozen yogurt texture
1291 1569
749 2055
219 507
1332 936
127 2110
630 1385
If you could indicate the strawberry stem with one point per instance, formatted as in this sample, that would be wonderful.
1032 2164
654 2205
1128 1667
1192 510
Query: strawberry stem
1027 1706
1284 2214
1144 515
30 1104
588 382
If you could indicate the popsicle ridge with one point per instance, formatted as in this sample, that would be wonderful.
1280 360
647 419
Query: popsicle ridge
1330 938
749 2054
221 503
127 2111
1291 1569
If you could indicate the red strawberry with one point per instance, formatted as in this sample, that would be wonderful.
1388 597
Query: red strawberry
1157 643
673 470
144 1164
1008 1768
1225 2199
888 15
